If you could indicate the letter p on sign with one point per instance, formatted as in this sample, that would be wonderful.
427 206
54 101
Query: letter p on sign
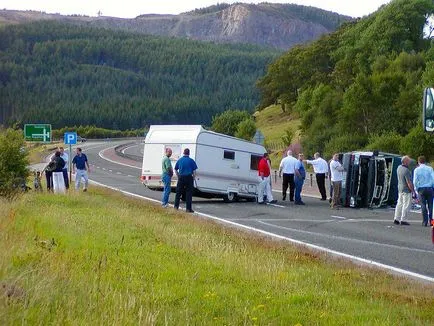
70 138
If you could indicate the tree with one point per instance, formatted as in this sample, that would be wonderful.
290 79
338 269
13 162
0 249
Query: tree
13 163
246 129
287 138
228 121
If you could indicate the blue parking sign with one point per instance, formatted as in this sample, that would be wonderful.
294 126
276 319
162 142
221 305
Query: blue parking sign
70 138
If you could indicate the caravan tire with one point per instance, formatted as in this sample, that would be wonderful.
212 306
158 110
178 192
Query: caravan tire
230 197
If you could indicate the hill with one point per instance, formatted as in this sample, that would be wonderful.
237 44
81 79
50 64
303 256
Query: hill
266 24
70 75
361 86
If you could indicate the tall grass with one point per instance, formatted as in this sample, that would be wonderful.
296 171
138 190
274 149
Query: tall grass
101 258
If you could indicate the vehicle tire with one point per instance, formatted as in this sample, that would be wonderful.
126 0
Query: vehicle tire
230 197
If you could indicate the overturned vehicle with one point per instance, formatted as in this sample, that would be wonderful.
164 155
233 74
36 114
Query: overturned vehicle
370 179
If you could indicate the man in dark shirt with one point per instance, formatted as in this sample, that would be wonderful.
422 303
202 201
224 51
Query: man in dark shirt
185 169
79 165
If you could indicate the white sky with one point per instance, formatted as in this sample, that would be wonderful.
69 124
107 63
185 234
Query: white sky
133 8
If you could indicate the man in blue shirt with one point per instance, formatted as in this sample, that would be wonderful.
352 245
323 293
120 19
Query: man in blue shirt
423 180
185 169
300 175
79 164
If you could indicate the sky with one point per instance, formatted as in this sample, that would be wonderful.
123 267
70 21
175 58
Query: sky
134 8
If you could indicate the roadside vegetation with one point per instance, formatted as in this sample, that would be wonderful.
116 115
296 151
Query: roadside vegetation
361 86
103 258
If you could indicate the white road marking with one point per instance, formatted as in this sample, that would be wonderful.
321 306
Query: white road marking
104 169
97 167
123 151
346 239
306 244
110 170
275 205
118 173
339 217
107 159
131 176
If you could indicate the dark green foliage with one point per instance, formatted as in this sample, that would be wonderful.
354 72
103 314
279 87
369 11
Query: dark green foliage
417 143
246 129
93 132
13 163
362 85
228 121
66 74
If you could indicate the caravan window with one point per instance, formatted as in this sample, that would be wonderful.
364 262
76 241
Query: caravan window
254 162
229 155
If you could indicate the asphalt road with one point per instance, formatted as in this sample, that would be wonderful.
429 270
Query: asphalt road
358 234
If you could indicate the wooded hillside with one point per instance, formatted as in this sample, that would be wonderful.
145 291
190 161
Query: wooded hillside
65 74
361 87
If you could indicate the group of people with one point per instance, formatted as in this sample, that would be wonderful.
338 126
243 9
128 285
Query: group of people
185 169
293 174
419 186
56 171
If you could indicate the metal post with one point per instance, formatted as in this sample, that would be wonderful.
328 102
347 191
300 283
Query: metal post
70 165
311 184
275 176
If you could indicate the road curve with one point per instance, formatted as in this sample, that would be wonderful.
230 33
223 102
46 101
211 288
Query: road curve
366 236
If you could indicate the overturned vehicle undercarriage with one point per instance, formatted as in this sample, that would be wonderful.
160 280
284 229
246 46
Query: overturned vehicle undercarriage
370 179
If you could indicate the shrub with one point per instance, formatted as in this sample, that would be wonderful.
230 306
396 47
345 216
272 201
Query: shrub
246 129
13 163
389 142
417 143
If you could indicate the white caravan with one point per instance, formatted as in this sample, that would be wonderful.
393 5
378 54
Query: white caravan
227 166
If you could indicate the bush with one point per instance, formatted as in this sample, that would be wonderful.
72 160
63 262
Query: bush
13 163
345 143
417 143
389 142
246 129
228 121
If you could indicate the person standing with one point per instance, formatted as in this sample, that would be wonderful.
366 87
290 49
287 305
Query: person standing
58 182
336 170
320 167
166 177
287 166
49 173
423 180
65 157
405 189
79 165
185 169
300 176
264 187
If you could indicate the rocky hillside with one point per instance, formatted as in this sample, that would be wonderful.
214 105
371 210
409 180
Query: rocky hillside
272 25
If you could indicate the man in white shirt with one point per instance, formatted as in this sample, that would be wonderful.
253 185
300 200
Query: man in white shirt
320 167
287 166
65 157
336 170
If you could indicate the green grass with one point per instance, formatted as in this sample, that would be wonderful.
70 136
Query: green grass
273 122
39 151
100 258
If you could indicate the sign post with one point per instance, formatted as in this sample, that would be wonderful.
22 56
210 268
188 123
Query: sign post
258 138
37 132
70 138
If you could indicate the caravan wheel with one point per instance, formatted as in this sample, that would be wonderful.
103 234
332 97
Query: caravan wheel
230 197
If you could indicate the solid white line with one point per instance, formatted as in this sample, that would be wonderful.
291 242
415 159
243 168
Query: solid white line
107 159
306 244
340 217
123 151
275 205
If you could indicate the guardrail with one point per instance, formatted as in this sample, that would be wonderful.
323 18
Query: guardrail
119 151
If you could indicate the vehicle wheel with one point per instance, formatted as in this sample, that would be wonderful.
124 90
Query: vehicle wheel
230 197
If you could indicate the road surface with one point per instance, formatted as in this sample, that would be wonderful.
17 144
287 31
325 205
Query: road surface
362 235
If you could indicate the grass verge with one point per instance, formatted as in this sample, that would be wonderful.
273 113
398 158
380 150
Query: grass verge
101 258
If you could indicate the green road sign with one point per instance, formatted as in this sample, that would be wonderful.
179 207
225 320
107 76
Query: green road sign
37 132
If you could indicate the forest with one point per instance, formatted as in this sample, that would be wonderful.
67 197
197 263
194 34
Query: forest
361 86
67 75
